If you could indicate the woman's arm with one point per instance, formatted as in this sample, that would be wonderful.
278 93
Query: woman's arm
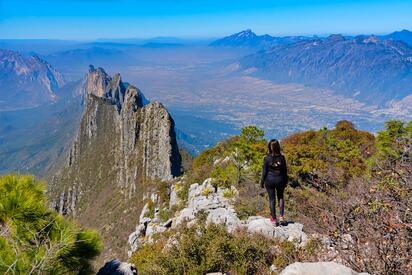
285 171
264 173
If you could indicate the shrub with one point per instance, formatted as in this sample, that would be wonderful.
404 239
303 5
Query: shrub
183 192
151 207
35 239
328 159
373 228
224 176
287 252
245 153
200 249
206 191
165 214
252 200
230 193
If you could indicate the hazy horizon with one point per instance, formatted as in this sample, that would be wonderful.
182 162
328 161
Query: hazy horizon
131 19
185 39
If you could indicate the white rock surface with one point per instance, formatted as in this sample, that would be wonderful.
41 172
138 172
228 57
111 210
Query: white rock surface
291 232
205 197
225 216
174 198
152 229
145 211
318 268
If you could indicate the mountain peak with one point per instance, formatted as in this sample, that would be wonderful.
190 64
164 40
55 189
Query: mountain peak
403 35
371 39
335 38
248 39
404 31
245 38
113 90
246 34
114 158
98 82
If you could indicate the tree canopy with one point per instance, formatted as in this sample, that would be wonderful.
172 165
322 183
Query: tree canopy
327 158
37 240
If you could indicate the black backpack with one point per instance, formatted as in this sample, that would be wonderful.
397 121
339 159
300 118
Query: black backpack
277 164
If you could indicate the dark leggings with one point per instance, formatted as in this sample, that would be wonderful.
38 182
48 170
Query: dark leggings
273 191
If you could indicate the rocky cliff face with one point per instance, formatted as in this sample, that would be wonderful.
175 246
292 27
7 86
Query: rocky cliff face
122 142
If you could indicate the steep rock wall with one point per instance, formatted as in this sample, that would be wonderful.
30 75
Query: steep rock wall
121 144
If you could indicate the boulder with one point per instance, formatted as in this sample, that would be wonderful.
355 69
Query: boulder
145 212
291 232
318 268
135 238
116 267
210 200
153 228
174 198
133 242
225 216
186 214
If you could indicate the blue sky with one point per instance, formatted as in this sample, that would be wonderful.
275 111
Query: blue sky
92 19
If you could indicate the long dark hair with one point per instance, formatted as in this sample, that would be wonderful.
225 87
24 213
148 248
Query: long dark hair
274 147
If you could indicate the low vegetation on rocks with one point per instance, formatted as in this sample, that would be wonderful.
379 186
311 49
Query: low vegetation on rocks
201 249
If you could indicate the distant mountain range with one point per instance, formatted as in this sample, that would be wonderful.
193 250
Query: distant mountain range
101 55
404 36
365 67
249 39
26 81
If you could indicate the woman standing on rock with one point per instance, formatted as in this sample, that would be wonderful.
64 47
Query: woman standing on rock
275 179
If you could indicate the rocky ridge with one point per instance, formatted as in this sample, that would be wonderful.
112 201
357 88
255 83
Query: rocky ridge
217 205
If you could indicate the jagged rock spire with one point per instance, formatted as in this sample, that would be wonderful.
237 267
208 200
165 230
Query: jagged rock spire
98 83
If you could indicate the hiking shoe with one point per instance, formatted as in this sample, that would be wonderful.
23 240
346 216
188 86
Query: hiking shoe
274 222
282 222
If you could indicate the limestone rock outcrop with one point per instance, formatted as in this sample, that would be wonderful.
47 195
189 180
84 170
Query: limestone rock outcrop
123 141
316 268
211 201
217 206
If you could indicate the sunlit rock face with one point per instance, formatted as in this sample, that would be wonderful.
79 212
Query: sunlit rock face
122 142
